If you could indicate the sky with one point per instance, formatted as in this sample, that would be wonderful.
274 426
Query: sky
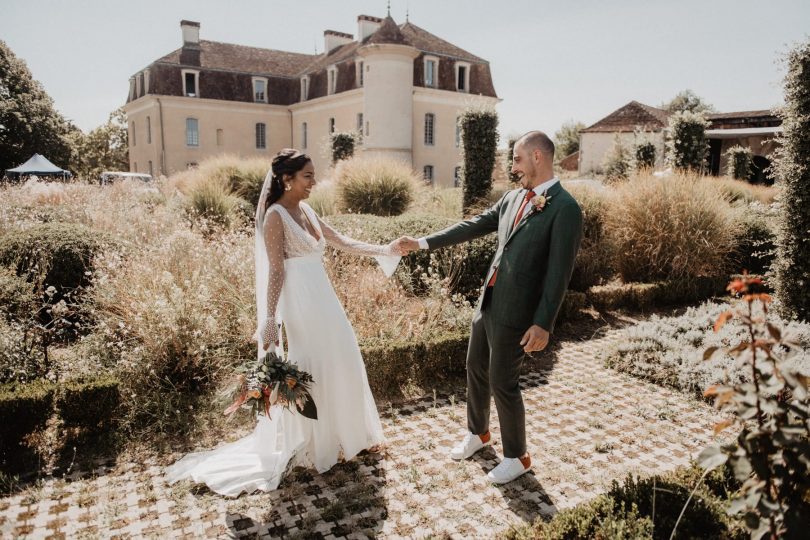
551 62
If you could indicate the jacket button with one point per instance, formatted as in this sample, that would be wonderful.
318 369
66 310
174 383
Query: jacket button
506 248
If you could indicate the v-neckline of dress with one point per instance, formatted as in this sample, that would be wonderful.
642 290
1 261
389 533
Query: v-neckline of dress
304 229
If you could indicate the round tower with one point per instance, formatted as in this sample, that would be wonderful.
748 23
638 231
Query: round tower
387 58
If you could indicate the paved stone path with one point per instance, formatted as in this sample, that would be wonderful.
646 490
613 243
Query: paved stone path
587 425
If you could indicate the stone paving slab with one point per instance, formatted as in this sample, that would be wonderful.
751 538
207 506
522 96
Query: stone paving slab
587 426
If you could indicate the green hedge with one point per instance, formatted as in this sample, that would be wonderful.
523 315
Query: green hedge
644 296
17 298
89 404
393 365
626 510
24 408
479 146
756 243
52 254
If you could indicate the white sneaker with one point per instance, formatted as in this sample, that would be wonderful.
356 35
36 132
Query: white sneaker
471 444
507 470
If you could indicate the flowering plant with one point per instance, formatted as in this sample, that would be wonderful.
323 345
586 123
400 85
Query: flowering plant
273 381
539 202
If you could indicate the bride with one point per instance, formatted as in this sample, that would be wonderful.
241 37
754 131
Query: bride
292 286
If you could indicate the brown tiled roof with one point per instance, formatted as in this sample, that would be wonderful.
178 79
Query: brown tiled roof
231 57
631 116
336 55
388 32
429 43
740 114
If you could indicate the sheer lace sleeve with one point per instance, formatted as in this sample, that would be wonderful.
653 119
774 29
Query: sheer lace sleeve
274 243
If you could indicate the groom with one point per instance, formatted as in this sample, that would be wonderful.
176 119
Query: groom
539 230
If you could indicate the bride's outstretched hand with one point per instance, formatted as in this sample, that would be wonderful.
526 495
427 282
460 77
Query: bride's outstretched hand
268 332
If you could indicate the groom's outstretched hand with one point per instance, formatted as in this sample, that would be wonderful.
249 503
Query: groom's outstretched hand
535 339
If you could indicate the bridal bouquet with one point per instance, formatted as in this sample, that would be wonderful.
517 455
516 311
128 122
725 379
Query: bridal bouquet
273 381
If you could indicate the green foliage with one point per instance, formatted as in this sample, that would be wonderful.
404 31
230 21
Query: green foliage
739 162
343 146
617 162
23 409
687 101
20 361
771 455
510 149
688 146
793 171
17 298
58 255
381 187
566 139
593 263
756 242
645 155
89 404
29 122
103 149
479 144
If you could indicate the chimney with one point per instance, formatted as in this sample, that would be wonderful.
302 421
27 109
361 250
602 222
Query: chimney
191 33
367 25
333 39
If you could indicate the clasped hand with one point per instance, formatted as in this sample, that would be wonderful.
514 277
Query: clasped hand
404 245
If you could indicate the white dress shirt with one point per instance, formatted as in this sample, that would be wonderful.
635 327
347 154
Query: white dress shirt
545 186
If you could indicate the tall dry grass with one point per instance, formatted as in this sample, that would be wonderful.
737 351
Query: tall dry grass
670 228
741 192
239 176
379 186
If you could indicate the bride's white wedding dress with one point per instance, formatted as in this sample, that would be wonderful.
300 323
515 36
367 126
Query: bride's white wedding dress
320 341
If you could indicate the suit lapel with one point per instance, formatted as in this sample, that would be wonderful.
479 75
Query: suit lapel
516 200
552 192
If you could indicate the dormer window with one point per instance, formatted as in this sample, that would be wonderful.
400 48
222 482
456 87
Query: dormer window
359 65
138 85
332 80
260 89
191 83
304 88
462 76
431 69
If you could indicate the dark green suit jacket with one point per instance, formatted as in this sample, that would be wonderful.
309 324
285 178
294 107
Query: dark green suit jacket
534 261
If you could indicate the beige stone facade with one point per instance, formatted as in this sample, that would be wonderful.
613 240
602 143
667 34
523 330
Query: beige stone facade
201 101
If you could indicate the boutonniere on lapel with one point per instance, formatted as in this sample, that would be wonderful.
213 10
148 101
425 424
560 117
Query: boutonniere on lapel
539 202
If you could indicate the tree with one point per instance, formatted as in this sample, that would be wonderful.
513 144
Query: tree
566 139
688 146
793 170
29 123
479 145
103 149
687 101
343 145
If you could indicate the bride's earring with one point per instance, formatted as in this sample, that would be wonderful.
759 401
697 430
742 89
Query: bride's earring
287 187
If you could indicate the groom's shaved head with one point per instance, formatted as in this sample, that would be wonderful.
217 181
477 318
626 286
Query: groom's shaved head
537 140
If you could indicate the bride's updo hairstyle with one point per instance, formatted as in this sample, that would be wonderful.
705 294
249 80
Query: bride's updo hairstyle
287 162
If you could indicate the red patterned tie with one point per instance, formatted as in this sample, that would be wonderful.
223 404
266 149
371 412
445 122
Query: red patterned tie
526 199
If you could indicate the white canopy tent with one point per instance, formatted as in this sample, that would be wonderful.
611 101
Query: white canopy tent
38 165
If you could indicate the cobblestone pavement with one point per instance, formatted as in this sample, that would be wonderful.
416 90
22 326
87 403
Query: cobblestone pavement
587 425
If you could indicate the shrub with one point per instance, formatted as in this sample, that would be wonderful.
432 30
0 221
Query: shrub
739 162
23 409
594 259
242 177
668 350
89 404
17 299
645 155
670 228
479 145
440 202
211 201
739 193
342 146
617 162
510 150
688 146
58 255
323 199
378 186
755 247
20 358
793 170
